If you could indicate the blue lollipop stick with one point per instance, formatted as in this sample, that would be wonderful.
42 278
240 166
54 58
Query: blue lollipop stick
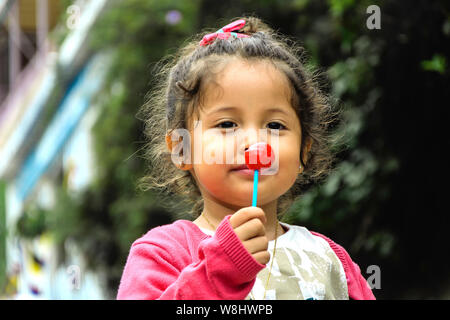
258 151
255 188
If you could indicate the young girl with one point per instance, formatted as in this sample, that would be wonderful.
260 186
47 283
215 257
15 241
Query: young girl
242 78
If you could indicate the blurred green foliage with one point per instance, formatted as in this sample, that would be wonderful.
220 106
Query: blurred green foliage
371 204
437 63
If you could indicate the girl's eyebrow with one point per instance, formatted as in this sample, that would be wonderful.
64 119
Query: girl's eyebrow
227 108
221 109
273 110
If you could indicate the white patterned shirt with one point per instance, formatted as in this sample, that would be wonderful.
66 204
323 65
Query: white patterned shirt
305 268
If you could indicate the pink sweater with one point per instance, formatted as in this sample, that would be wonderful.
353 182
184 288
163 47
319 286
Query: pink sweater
178 261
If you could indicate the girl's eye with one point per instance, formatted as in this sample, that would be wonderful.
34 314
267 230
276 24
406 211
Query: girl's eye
226 125
276 126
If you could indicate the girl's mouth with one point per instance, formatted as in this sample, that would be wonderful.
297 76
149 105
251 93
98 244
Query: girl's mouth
243 170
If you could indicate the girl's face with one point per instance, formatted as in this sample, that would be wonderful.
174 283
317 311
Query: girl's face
249 96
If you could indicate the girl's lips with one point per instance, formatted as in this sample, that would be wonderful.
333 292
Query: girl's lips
243 170
246 171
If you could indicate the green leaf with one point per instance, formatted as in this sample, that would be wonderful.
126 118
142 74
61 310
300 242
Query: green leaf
437 63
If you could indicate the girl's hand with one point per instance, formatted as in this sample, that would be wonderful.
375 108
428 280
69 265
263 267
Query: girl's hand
248 224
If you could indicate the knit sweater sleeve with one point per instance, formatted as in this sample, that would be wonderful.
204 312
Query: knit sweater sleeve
158 269
358 288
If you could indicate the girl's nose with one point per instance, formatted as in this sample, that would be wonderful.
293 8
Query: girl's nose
252 141
245 147
249 137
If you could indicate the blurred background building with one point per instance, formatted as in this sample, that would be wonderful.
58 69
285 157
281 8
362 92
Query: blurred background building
46 116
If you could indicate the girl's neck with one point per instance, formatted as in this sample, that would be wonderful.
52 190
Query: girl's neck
214 211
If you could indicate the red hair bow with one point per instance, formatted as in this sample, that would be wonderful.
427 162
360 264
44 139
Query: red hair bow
225 32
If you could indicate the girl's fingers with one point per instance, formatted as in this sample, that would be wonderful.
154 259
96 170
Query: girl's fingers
245 214
257 244
262 257
250 229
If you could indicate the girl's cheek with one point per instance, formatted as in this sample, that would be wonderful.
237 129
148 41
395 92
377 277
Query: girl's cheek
222 149
230 145
213 147
289 155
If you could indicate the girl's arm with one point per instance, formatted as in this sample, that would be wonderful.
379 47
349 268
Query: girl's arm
225 270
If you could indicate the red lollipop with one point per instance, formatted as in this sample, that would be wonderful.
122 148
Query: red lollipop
259 155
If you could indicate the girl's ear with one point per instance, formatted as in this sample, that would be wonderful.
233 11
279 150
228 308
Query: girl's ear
306 148
168 142
170 146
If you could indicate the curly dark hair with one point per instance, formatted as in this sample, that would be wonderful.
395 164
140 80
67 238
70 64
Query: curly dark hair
177 92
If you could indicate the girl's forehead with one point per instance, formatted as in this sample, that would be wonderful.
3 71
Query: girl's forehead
247 82
237 68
